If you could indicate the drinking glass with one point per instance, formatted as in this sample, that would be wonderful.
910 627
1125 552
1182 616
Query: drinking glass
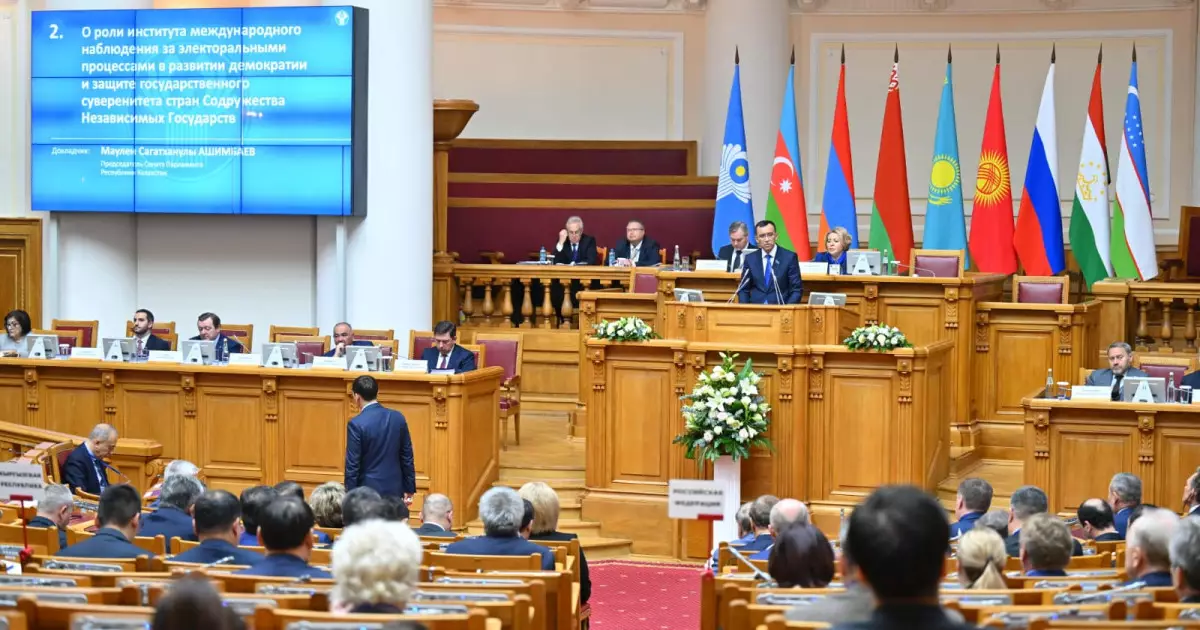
687 263
1185 394
1063 386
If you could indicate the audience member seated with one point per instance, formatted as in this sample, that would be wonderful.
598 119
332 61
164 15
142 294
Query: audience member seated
1191 495
54 511
855 604
760 518
995 520
745 530
326 502
636 250
343 337
526 528
85 468
898 542
574 247
1124 494
437 516
1096 520
545 527
216 516
1024 503
18 325
176 467
1120 360
446 354
1137 512
118 517
362 504
376 565
973 500
397 509
173 516
784 515
501 509
981 559
1148 547
253 499
193 604
1185 560
801 557
285 529
1045 546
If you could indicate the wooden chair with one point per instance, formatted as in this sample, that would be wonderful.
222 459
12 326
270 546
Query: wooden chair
506 351
244 333
418 342
560 598
368 334
480 353
779 622
279 619
292 331
1041 289
251 583
42 615
93 595
156 545
15 620
315 346
387 346
990 616
71 338
601 254
1166 365
642 282
44 537
171 338
535 590
55 563
100 579
160 329
462 562
936 263
1097 561
88 330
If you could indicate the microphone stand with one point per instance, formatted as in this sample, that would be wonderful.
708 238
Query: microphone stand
775 282
745 277
758 573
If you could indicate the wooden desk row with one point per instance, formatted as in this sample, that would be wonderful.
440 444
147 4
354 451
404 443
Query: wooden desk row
246 425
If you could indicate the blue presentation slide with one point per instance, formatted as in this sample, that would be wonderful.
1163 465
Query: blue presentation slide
218 111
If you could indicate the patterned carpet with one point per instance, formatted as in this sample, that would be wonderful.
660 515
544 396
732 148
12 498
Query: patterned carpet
645 596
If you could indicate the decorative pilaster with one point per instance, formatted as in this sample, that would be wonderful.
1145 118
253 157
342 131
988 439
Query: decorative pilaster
188 383
440 420
270 400
31 390
951 299
108 380
904 368
982 332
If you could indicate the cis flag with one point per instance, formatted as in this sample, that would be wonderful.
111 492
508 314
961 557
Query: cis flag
837 207
1133 234
786 205
733 182
992 210
1039 238
891 215
945 226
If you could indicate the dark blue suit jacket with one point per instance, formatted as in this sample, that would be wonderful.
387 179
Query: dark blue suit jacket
1121 521
1192 380
826 258
647 255
107 543
379 452
357 342
430 529
249 540
154 342
169 522
495 546
42 521
213 549
1155 579
80 471
461 359
964 524
235 346
758 288
284 565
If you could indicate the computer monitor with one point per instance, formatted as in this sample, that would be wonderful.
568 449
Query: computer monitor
198 351
689 295
1131 384
362 358
826 299
42 346
124 350
863 262
279 355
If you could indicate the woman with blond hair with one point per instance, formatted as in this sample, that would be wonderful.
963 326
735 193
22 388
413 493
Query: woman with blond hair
326 502
837 241
981 559
545 525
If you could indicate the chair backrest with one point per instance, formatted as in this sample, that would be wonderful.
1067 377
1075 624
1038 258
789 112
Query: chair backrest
171 338
61 453
418 342
644 283
44 615
387 347
936 263
1189 240
1166 365
367 334
280 618
480 354
292 331
504 350
1040 289
72 338
315 346
602 254
14 534
250 583
161 329
87 329
462 562
242 332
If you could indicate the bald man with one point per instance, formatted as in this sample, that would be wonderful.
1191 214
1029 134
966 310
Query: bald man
784 515
85 468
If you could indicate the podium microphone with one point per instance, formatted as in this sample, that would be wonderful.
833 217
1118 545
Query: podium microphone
775 282
745 277
114 469
758 573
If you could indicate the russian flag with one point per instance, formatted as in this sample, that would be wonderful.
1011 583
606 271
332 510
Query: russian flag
837 206
1039 234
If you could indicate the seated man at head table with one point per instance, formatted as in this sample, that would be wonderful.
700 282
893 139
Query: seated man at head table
446 354
118 517
173 516
1120 360
285 528
574 247
54 510
734 254
85 468
343 336
209 326
772 273
502 511
637 250
144 340
217 517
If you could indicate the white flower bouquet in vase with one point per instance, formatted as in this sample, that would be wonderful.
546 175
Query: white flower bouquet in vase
624 329
879 337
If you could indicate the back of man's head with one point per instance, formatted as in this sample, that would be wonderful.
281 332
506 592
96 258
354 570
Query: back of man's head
366 387
996 520
55 497
285 524
1046 543
254 499
119 504
1185 554
215 512
180 467
898 538
526 514
1150 537
1127 488
290 489
760 511
362 504
745 525
436 508
787 514
501 510
180 492
976 494
1027 501
1097 513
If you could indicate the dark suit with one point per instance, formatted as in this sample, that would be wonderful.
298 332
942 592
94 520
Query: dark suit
585 578
284 565
1046 573
1154 579
760 287
84 472
1109 537
964 524
168 521
235 346
906 617
647 255
214 549
1192 380
379 452
356 342
43 522
840 261
1012 545
760 542
1105 377
584 254
727 255
107 543
153 342
433 529
461 359
249 540
496 546
1121 521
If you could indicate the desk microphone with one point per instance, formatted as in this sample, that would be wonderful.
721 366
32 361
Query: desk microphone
775 283
917 271
225 560
745 277
114 469
758 573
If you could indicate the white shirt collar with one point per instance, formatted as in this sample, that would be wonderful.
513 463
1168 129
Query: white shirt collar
369 403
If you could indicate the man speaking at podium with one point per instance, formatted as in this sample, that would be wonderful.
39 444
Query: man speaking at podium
770 275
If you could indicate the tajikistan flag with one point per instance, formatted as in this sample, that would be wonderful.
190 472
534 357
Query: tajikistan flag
1089 216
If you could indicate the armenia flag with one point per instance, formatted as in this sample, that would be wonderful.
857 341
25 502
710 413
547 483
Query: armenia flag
733 181
945 225
1039 238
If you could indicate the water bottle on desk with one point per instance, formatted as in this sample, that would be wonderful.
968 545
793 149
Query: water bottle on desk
542 256
224 350
1171 391
884 263
1050 383
678 264
612 257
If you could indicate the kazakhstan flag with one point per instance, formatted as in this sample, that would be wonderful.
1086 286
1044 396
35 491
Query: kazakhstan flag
945 226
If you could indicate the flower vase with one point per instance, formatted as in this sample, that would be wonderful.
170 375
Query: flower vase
728 472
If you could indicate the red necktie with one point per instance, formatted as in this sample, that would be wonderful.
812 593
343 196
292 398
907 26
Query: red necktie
442 362
139 348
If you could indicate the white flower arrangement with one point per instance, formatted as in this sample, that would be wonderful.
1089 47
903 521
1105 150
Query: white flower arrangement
624 329
879 337
726 414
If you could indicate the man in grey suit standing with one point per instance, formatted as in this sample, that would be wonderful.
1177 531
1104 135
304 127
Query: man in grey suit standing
1120 360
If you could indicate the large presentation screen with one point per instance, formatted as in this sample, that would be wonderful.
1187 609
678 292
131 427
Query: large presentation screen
217 111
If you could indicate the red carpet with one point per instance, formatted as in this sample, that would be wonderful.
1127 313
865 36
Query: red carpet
645 596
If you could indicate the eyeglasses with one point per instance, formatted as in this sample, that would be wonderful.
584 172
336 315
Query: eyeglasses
12 324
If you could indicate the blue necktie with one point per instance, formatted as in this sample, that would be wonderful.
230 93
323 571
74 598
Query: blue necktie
574 253
770 278
103 478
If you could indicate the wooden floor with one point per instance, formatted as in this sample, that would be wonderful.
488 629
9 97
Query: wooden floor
1005 477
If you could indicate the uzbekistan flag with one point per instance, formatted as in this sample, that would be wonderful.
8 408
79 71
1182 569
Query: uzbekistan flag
785 205
837 206
992 209
1133 234
945 226
1039 238
1089 232
891 215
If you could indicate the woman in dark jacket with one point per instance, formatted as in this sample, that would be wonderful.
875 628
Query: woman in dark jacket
545 527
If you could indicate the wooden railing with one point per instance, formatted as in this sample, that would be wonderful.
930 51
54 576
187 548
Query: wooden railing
525 296
1154 316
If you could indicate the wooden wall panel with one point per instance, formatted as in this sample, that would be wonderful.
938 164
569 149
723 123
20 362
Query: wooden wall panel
639 422
21 266
1023 356
859 431
231 437
75 405
419 416
1087 460
12 398
314 435
1178 451
919 319
145 410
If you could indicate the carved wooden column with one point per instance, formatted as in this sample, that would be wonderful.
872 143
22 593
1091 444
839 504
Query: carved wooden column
1143 329
1166 331
450 117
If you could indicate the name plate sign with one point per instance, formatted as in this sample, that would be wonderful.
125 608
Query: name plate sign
236 358
1091 392
92 354
329 363
164 356
702 499
411 365
21 479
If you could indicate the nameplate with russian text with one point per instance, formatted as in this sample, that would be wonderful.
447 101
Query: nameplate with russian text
702 499
329 363
814 268
411 365
164 356
21 479
1091 392
239 358
91 354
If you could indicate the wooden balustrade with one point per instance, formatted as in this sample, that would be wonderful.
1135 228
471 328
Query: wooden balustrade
527 296
1158 316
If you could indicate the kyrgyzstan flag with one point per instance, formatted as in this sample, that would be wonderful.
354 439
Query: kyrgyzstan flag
991 240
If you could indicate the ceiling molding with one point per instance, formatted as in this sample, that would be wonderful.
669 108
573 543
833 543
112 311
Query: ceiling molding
889 7
621 6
